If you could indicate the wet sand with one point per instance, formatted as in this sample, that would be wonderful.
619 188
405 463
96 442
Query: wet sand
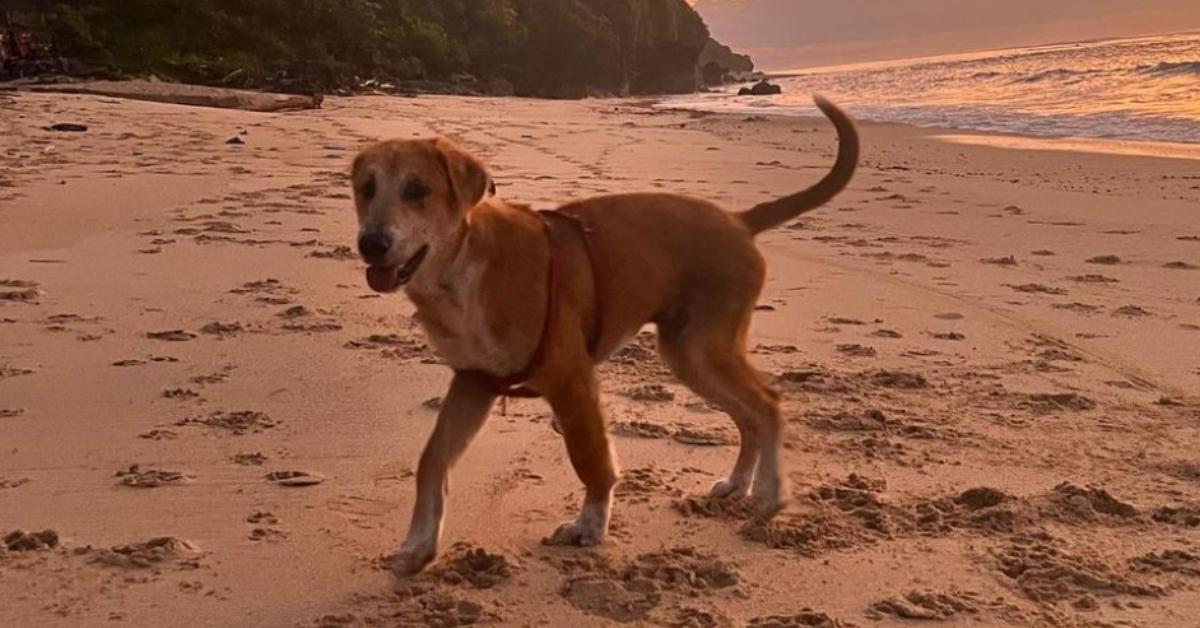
990 363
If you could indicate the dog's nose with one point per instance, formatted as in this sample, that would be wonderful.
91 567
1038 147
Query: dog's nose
374 246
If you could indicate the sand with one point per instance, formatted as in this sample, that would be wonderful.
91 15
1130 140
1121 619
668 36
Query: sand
990 361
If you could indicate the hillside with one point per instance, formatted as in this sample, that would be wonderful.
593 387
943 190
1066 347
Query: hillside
556 48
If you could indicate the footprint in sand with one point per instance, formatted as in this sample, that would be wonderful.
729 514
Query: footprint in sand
7 483
171 335
1037 288
7 372
1131 311
155 553
136 362
1082 308
704 437
641 429
252 459
238 422
775 349
19 291
295 479
650 392
221 330
341 252
22 541
212 378
262 532
857 350
1093 278
180 394
136 477
806 617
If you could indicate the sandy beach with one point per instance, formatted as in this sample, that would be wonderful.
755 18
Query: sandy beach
989 356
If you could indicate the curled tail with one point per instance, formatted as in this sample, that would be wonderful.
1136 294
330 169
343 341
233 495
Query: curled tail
774 213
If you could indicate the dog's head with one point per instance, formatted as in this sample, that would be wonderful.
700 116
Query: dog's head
412 198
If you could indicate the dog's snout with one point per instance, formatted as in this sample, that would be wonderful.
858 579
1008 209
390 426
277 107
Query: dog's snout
374 246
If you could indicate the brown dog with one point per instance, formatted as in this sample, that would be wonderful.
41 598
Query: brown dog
509 297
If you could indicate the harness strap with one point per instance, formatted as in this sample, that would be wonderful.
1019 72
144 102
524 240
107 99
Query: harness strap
510 385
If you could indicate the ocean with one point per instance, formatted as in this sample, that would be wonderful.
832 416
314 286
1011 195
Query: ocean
1144 89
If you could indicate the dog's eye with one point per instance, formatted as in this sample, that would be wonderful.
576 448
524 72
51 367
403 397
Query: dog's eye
415 191
367 190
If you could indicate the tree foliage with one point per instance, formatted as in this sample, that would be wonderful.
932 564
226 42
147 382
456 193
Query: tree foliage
543 47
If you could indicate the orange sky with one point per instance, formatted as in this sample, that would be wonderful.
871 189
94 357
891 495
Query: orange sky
782 34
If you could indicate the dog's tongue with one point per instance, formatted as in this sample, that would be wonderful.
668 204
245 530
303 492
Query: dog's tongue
383 278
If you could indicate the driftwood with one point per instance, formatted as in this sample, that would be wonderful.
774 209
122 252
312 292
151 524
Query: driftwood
180 94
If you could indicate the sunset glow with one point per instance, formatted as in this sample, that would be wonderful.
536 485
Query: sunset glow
785 34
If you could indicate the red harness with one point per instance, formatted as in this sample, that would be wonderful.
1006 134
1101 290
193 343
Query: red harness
510 385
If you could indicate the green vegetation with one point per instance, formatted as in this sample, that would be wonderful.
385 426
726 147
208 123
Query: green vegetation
539 47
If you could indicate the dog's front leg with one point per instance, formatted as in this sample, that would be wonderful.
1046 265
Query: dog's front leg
463 412
576 406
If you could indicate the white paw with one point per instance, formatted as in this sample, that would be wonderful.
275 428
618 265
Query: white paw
411 558
729 489
769 498
580 533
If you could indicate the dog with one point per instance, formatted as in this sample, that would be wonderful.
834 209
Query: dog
520 302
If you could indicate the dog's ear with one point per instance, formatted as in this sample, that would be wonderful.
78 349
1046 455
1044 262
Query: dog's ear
467 176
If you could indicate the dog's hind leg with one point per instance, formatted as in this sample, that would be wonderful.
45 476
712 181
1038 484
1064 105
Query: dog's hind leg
463 412
576 405
708 355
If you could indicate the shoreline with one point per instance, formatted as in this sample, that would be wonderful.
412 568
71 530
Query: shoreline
995 139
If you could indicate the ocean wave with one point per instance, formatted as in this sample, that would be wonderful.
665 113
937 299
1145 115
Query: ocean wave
1056 74
1141 89
1171 68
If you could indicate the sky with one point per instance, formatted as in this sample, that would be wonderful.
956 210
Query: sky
786 34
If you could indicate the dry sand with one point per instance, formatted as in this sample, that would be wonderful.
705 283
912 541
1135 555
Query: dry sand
990 362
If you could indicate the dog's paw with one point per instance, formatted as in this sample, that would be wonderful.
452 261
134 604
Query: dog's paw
409 560
577 533
729 489
769 499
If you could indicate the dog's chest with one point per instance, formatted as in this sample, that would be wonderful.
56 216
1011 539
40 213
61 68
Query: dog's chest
458 327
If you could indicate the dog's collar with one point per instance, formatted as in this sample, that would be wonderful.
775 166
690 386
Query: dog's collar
510 385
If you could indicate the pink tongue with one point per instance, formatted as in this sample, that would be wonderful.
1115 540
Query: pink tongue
383 279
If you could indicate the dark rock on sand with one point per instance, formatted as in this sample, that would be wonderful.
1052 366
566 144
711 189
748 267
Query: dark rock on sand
761 88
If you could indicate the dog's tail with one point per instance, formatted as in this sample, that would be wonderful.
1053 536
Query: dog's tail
774 213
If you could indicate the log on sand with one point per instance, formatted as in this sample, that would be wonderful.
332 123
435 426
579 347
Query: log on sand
181 94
